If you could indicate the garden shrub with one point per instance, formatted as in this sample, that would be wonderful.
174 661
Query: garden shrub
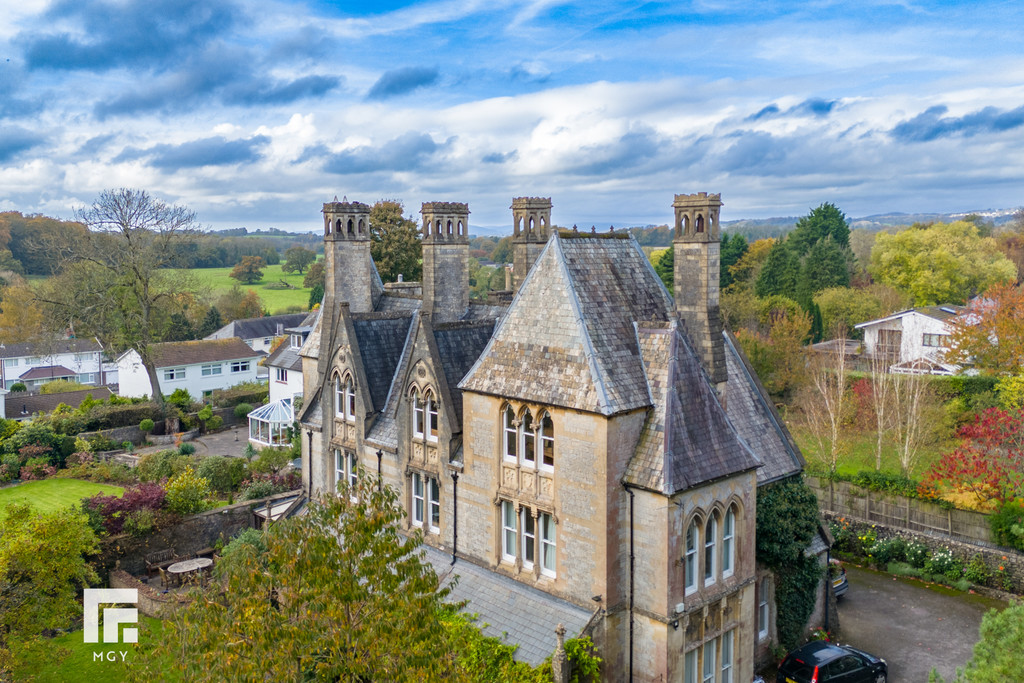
37 468
186 449
224 474
253 393
19 386
140 522
263 485
205 413
34 434
101 442
885 482
888 550
113 415
271 461
187 493
243 409
977 571
111 513
214 423
942 562
916 554
162 465
147 425
182 399
1007 524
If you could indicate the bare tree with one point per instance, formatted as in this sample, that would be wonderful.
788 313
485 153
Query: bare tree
911 397
881 402
115 282
825 402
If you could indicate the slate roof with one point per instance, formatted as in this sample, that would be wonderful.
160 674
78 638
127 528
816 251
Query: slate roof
381 340
942 312
256 328
49 348
48 371
567 338
687 439
172 354
508 610
755 419
21 404
285 356
459 345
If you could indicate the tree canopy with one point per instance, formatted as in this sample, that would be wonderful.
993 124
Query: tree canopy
991 334
297 259
780 272
823 222
395 242
250 270
940 263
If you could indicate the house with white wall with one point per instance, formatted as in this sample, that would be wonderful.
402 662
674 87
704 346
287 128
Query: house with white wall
197 366
914 340
36 363
259 333
269 424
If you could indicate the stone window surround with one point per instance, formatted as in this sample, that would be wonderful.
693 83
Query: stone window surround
346 466
426 417
698 521
517 562
430 499
345 397
543 440
722 667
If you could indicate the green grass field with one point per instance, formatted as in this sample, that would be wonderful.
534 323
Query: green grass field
52 494
859 453
68 658
218 281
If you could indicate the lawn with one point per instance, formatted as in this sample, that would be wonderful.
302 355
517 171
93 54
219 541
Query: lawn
52 494
219 282
70 658
859 453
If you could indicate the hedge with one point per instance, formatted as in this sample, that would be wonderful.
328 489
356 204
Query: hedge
111 416
254 394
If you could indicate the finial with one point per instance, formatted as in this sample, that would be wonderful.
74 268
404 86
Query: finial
574 229
611 228
345 199
593 229
335 199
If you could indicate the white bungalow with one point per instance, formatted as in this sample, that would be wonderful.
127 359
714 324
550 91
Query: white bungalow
914 340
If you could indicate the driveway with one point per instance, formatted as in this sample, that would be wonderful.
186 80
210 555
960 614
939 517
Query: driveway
912 626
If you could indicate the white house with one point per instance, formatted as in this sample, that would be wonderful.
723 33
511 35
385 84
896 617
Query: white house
198 366
36 363
268 425
914 340
259 333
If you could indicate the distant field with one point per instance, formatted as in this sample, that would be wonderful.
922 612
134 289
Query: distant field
275 300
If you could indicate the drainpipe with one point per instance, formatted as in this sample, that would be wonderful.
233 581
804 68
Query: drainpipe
632 573
380 477
309 465
455 514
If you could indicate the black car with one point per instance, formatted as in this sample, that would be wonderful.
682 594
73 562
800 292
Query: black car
822 662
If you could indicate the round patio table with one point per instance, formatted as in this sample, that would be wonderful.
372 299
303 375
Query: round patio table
188 567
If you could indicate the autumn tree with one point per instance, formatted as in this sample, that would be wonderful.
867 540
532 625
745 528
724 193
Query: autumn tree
115 282
777 355
844 307
395 242
315 275
989 462
909 416
297 259
339 594
747 269
940 263
21 316
42 571
250 270
990 334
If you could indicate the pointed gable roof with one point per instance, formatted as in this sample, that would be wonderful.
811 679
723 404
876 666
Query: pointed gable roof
567 339
687 439
381 339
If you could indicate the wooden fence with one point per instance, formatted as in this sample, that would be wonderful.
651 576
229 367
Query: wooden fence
844 499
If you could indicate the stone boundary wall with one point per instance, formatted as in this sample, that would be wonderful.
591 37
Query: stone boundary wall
186 539
844 499
119 434
152 602
171 439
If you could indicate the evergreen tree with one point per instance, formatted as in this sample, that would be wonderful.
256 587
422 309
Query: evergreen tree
825 221
779 274
211 323
666 268
733 248
179 329
316 295
824 266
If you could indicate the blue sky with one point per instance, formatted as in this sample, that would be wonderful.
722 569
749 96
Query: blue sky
254 113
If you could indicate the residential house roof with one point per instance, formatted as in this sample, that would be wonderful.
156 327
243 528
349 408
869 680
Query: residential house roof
22 404
506 609
49 348
942 313
48 372
256 328
173 354
687 439
287 356
568 338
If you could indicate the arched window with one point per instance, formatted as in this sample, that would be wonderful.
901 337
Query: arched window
350 226
449 228
417 413
432 420
710 534
529 457
690 557
509 427
729 542
547 441
339 398
699 223
350 399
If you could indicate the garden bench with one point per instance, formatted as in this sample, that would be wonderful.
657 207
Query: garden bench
159 560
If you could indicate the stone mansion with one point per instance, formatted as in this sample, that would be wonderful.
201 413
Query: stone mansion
582 449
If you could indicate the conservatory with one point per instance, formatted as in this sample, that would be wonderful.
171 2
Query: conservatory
270 425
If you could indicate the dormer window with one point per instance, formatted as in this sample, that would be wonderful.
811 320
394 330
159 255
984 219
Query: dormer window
350 400
425 419
339 398
296 341
418 414
432 419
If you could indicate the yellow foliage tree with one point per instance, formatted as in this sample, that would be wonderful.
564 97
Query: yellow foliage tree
21 316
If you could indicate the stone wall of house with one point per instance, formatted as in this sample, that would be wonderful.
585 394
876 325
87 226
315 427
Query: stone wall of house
186 538
152 602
